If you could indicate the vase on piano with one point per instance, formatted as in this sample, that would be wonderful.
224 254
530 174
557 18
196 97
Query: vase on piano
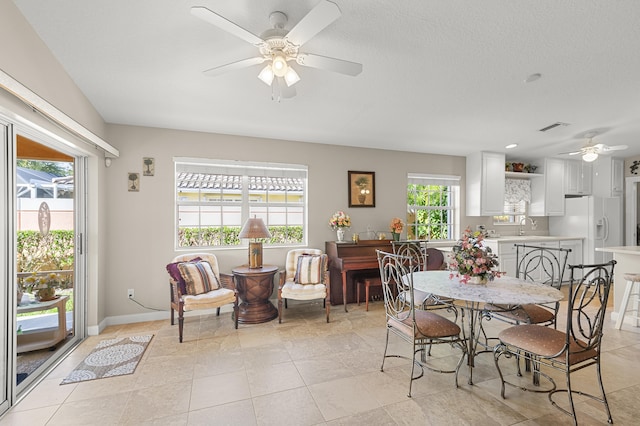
340 234
395 236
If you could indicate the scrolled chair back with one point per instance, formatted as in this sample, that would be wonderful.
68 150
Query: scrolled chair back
587 306
545 265
414 249
396 275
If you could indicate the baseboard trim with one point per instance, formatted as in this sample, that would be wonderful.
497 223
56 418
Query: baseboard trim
148 316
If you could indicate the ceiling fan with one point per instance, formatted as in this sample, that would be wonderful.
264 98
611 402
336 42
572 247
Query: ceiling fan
590 151
278 46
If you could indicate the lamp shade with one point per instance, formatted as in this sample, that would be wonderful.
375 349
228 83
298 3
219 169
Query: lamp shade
254 228
590 156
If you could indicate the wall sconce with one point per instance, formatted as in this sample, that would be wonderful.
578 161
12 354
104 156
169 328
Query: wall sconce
254 228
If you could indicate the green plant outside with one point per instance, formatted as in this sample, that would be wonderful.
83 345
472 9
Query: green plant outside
228 236
428 224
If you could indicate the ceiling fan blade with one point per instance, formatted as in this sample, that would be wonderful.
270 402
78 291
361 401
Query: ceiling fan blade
614 148
224 24
244 63
315 21
332 64
570 153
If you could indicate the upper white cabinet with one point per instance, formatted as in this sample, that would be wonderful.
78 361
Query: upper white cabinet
547 192
485 184
577 177
608 176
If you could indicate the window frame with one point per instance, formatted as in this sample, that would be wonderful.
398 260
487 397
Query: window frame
453 208
245 170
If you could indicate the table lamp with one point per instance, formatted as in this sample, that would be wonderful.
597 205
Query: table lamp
253 229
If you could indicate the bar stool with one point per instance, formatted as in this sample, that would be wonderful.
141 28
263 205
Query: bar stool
632 280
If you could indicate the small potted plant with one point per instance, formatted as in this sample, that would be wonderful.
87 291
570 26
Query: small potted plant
396 226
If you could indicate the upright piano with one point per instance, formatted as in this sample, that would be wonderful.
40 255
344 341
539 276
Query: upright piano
348 260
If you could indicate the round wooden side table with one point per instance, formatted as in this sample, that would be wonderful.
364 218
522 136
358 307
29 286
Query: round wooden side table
255 286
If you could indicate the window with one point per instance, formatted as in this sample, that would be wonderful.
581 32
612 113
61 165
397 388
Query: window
215 197
513 213
517 192
433 207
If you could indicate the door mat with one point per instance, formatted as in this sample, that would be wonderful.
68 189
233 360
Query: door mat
110 358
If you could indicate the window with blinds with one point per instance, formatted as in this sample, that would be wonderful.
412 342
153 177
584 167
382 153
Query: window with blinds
433 207
215 197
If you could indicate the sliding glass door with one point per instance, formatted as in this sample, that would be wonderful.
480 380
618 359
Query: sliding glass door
47 252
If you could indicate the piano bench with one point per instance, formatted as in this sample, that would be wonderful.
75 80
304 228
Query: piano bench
367 282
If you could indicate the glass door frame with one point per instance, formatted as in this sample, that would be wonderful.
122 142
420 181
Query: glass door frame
58 143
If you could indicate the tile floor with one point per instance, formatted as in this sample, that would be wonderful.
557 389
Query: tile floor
307 372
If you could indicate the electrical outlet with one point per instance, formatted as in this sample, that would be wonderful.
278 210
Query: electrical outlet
130 293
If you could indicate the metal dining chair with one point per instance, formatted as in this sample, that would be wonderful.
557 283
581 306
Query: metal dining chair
577 346
417 327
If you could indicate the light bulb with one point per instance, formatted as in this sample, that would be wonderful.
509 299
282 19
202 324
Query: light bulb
266 75
590 156
279 64
291 77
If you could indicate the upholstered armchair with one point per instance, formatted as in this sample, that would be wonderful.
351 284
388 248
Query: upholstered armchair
196 283
306 277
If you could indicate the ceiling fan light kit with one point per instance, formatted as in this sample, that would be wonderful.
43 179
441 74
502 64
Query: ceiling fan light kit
278 46
590 152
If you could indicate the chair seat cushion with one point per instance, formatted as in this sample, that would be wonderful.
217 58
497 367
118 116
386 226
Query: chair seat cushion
545 341
524 314
212 299
291 290
428 325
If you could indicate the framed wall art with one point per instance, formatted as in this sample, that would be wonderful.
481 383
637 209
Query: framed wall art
133 181
362 189
148 166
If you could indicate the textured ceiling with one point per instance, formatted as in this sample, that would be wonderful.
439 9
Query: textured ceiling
439 76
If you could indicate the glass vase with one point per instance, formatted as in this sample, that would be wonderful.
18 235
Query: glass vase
340 235
477 279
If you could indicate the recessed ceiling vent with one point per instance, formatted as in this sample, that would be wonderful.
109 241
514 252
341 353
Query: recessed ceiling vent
553 126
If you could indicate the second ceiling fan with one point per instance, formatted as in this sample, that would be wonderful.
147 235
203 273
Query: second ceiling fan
277 46
590 152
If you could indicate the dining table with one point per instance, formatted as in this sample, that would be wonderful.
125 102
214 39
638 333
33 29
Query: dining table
471 298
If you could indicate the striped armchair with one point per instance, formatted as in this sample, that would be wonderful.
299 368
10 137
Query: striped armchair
199 286
306 277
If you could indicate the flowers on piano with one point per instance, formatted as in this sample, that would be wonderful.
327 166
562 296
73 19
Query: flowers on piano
396 225
471 258
340 220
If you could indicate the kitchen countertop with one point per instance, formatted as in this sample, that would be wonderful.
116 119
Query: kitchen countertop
633 250
526 238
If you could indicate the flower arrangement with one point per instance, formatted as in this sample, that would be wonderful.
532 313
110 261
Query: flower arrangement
473 259
340 220
396 225
44 287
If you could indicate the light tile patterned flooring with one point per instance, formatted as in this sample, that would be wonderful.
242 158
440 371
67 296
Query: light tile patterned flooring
307 372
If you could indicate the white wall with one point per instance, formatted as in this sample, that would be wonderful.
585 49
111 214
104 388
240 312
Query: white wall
141 224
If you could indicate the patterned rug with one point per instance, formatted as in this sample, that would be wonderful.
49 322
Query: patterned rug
114 357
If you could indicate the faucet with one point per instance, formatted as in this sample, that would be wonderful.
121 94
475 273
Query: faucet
523 221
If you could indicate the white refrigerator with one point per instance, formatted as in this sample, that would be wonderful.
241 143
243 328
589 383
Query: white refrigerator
598 220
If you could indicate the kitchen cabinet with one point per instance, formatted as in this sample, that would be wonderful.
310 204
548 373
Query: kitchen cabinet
577 177
547 192
485 184
608 176
575 257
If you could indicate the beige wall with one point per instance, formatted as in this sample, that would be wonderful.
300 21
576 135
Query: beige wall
141 241
27 60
